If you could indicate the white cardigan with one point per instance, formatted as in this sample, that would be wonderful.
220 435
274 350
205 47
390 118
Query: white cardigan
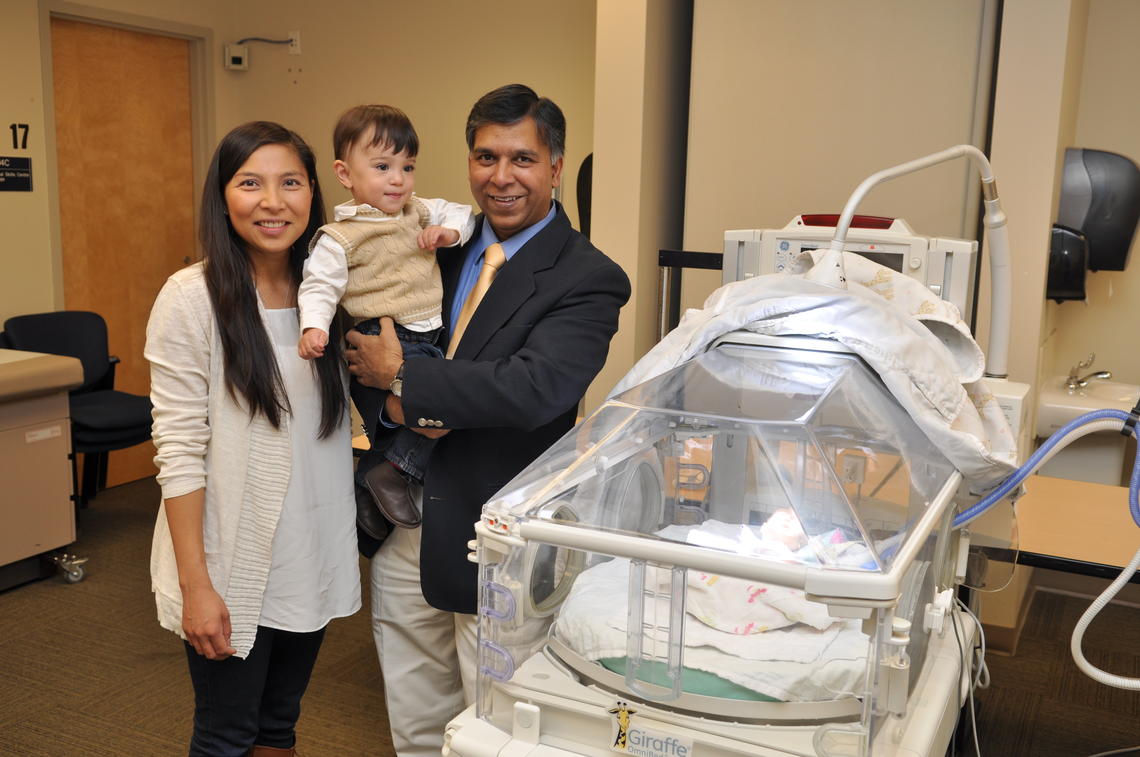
203 434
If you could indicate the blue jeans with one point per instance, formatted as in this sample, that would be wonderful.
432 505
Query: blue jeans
239 703
404 448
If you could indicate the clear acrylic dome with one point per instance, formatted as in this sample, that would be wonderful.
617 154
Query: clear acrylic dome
816 464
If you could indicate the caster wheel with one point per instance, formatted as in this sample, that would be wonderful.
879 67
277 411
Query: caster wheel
72 566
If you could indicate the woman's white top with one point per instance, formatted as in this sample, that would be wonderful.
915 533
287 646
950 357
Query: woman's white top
206 439
314 576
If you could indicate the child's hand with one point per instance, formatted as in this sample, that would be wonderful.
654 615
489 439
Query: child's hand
436 236
312 344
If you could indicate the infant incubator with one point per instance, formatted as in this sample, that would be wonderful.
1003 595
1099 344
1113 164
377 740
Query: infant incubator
754 551
749 554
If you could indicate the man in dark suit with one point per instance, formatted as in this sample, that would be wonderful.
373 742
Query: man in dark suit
522 357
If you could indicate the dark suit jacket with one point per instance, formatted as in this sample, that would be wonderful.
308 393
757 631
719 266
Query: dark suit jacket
537 340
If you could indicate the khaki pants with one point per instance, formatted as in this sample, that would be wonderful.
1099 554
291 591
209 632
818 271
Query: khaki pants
428 657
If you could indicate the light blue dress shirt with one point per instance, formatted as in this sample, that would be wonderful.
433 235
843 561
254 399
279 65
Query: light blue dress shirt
469 273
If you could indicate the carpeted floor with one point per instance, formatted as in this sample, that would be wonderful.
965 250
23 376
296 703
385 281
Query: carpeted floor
85 670
1041 705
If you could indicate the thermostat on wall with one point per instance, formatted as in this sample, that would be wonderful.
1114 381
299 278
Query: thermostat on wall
237 57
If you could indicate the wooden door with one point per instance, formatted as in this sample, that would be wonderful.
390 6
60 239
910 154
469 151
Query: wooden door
126 187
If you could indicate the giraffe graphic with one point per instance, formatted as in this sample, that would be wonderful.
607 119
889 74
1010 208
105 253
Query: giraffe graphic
621 714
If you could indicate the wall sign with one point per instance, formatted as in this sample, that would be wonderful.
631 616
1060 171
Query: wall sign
15 174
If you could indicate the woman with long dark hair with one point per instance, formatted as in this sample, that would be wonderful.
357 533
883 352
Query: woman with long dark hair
255 546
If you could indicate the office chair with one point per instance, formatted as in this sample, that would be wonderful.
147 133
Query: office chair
102 419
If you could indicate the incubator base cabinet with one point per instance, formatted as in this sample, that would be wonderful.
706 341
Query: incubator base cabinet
574 717
750 554
35 473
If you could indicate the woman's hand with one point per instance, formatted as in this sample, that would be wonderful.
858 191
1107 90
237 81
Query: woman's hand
205 617
206 622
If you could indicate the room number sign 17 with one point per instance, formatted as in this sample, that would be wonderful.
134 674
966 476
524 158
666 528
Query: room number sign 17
19 136
16 172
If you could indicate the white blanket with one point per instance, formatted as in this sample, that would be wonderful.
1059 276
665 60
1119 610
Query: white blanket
794 663
918 344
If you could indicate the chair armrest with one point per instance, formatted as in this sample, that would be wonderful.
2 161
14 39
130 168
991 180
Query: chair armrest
108 380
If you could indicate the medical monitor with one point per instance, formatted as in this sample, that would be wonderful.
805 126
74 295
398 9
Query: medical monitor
946 266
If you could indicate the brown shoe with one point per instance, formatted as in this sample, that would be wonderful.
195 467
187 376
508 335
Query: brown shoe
393 495
368 517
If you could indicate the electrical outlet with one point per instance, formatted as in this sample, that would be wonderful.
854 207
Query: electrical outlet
295 43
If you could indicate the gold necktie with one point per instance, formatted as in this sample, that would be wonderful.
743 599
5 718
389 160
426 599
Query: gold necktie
493 259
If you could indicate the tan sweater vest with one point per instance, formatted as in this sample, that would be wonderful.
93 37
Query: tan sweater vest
388 274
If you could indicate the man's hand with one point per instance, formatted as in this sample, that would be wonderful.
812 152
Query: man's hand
374 360
395 411
312 344
436 236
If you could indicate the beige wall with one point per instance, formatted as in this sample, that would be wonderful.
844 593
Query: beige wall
794 104
639 137
433 65
31 281
1106 119
430 65
1034 115
27 283
780 121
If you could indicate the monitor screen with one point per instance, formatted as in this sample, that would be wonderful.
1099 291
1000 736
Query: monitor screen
892 260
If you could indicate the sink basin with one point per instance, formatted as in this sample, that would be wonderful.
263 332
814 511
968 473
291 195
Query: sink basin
1100 457
1056 405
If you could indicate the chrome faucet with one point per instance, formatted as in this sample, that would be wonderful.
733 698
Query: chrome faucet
1075 381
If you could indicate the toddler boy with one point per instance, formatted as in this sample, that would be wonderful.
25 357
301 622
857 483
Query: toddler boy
378 259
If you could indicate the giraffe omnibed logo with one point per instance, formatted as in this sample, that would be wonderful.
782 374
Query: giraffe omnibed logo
629 738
